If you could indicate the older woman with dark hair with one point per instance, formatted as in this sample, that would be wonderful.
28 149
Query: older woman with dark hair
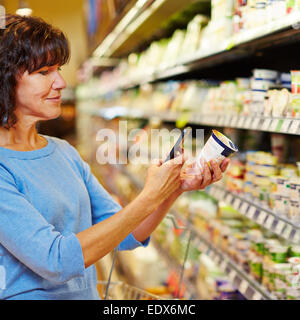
56 220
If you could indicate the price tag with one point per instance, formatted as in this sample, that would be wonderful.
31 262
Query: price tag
297 237
244 208
232 275
279 227
273 125
266 124
223 265
236 204
294 127
257 296
228 198
243 286
251 212
241 122
285 125
248 122
261 218
255 123
234 121
219 120
182 120
287 231
227 120
269 222
222 194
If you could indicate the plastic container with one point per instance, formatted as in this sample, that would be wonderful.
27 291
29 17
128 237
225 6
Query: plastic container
261 84
295 252
278 254
295 81
281 184
217 147
265 74
294 211
282 205
295 189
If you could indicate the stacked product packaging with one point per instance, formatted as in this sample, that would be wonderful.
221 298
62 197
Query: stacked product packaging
271 184
267 93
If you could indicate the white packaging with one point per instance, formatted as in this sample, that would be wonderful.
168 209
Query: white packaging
217 148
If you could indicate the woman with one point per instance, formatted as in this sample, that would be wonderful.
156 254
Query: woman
56 220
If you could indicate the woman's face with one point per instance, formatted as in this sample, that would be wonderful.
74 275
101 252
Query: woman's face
38 95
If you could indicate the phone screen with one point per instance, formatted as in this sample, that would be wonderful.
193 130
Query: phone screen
179 145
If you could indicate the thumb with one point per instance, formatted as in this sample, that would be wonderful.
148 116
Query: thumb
179 160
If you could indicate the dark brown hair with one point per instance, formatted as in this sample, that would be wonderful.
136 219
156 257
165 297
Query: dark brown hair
26 44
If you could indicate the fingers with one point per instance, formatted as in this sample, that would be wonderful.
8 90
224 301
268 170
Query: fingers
217 173
177 162
156 162
224 164
207 177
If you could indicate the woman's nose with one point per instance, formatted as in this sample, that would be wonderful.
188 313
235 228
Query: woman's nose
59 82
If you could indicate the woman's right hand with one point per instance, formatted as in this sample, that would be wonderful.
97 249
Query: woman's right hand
163 179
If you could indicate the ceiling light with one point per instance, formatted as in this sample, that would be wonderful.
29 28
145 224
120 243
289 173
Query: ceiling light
24 9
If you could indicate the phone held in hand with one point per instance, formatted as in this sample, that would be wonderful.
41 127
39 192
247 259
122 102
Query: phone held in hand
179 145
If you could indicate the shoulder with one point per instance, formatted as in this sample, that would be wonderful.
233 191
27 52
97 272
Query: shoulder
63 146
69 152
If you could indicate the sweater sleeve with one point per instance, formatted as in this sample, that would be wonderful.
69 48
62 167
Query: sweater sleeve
104 206
26 234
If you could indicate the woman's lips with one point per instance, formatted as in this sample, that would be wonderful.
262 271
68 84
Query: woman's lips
54 99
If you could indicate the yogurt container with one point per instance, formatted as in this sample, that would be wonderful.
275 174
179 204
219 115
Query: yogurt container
281 205
294 211
217 147
295 252
289 171
295 189
292 294
295 81
278 254
265 170
265 74
261 85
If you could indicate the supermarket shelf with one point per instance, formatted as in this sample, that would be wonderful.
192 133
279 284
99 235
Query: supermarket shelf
247 207
281 32
147 20
246 284
192 293
249 287
252 122
254 211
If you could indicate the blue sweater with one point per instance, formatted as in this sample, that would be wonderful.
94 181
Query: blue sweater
46 197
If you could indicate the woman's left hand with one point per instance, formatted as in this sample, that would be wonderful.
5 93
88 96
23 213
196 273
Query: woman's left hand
201 180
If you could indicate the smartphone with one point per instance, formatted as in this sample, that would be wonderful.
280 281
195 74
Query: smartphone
178 147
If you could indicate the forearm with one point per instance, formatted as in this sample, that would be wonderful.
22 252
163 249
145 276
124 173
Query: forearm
103 237
144 230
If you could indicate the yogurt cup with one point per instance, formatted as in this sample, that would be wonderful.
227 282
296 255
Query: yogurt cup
217 147
294 213
295 81
265 74
261 84
295 189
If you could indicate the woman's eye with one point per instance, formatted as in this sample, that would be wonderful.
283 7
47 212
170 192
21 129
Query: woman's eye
44 73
